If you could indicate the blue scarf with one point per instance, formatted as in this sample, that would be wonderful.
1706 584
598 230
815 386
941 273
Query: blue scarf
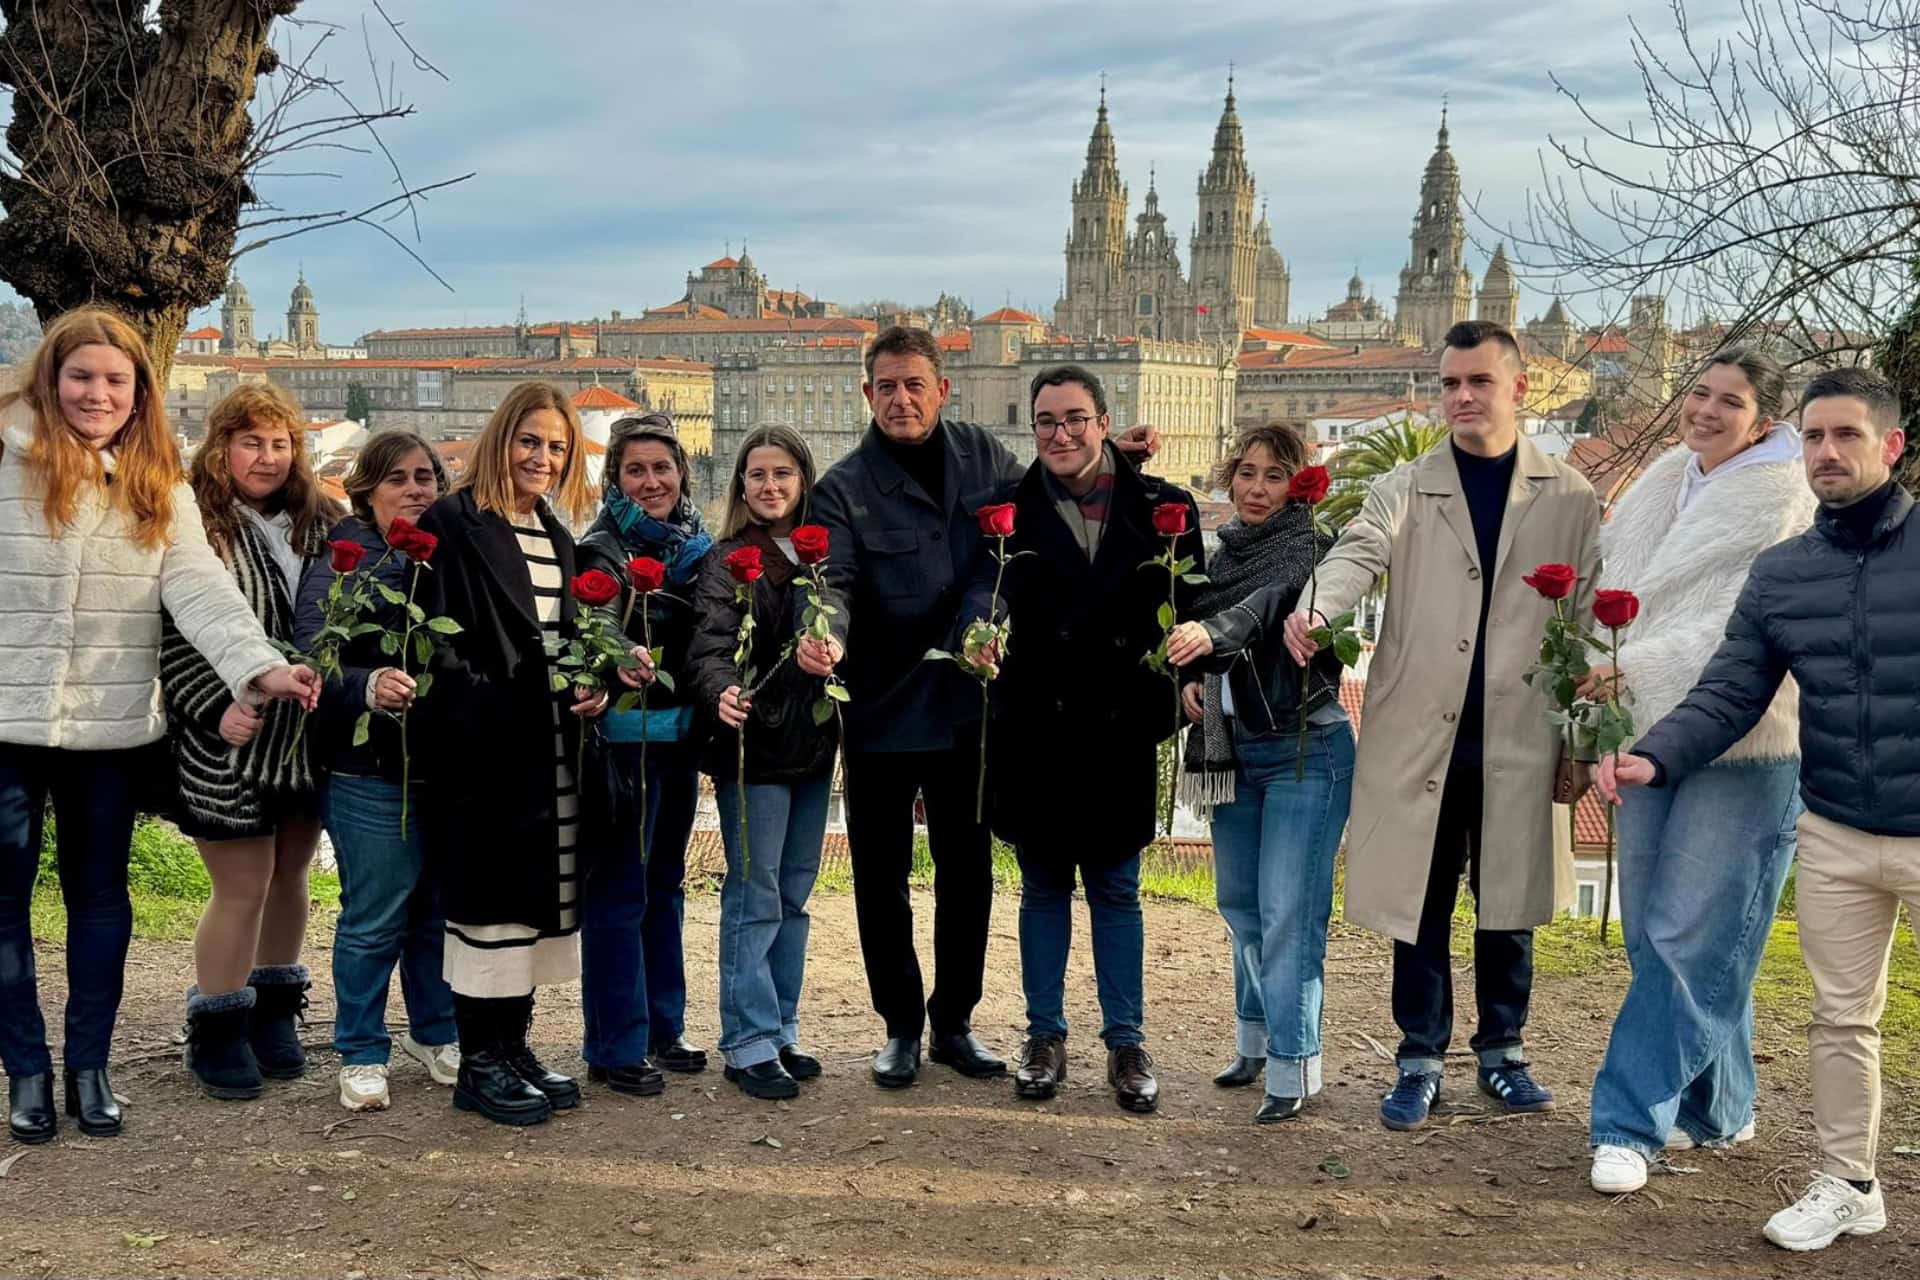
680 541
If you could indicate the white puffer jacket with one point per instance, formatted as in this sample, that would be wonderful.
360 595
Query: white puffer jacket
80 617
1687 571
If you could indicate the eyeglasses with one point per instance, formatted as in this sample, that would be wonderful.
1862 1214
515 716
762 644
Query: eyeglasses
1074 424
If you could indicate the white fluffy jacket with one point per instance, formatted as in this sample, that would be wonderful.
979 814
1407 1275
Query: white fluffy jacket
1687 571
80 617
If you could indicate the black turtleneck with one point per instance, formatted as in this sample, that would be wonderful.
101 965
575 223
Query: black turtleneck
1857 519
925 462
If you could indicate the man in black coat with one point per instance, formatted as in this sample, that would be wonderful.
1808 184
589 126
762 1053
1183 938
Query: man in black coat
1079 714
1838 608
898 515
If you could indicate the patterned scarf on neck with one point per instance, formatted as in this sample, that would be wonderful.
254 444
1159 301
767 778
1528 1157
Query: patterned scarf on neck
680 541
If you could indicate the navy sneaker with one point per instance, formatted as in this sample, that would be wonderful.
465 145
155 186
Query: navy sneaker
1412 1098
1514 1089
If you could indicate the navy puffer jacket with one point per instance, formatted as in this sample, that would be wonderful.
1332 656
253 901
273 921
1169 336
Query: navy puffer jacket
1843 617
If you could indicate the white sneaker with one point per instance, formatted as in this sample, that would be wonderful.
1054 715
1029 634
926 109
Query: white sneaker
1617 1170
1830 1209
1680 1140
363 1087
442 1061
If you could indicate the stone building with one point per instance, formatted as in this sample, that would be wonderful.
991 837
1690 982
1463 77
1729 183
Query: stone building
1360 320
1555 332
1294 385
303 322
1436 289
236 320
1499 298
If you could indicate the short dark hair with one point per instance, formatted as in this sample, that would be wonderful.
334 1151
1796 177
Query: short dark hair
380 454
1469 334
1279 439
1882 401
1058 375
900 340
1763 373
655 426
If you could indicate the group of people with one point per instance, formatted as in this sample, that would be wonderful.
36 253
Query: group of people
506 816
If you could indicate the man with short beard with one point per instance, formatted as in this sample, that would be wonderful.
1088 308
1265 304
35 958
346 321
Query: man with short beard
898 511
1838 609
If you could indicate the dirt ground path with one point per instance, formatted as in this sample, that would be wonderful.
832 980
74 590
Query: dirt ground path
950 1178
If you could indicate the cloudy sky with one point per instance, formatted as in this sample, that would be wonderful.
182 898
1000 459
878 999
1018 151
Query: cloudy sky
897 149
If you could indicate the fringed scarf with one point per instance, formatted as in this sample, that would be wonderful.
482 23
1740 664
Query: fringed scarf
680 541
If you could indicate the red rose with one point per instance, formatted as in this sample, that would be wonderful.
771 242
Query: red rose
1170 519
594 588
346 555
744 564
1554 581
810 543
404 536
996 519
646 574
1309 485
1615 609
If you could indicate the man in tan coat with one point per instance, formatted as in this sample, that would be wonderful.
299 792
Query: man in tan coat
1458 766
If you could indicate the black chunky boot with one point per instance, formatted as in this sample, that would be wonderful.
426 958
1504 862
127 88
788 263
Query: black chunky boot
30 1114
217 1050
488 1084
91 1103
281 1001
562 1091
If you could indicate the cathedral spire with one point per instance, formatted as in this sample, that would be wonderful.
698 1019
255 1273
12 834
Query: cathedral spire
1228 167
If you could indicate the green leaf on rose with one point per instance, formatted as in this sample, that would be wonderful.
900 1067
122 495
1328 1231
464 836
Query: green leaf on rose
388 594
361 728
445 626
1165 614
389 644
557 682
838 693
663 678
422 684
822 711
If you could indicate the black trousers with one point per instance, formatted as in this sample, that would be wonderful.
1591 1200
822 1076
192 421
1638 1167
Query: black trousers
1502 958
881 786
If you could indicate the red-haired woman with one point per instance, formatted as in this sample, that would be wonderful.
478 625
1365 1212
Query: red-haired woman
247 793
98 533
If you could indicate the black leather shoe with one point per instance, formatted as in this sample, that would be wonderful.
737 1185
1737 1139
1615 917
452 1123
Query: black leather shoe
1043 1067
1241 1072
1273 1110
641 1080
800 1064
678 1055
1130 1072
489 1085
768 1080
896 1065
30 1115
965 1054
90 1101
562 1091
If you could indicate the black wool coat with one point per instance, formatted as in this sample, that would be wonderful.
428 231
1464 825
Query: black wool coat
487 723
1077 716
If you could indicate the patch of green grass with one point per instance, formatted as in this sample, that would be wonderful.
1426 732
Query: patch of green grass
1785 990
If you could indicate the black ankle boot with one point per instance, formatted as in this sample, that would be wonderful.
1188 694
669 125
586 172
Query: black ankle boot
91 1103
562 1091
217 1050
487 1083
281 1001
30 1114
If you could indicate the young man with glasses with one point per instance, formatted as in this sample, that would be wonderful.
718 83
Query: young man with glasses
1079 717
899 516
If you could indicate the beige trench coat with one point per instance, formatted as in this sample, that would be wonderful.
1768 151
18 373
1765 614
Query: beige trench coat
1415 527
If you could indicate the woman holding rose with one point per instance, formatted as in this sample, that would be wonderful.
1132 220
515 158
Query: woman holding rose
633 974
504 814
389 901
248 793
98 535
789 754
1276 827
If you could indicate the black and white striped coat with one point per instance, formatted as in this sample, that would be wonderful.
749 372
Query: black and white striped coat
225 789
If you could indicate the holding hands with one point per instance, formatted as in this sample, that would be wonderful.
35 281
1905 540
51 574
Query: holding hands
294 684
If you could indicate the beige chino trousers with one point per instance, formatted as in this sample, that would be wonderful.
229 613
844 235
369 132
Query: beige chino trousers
1849 888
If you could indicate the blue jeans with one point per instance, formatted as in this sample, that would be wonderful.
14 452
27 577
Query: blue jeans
1119 943
1701 866
633 977
1273 852
763 913
94 794
389 913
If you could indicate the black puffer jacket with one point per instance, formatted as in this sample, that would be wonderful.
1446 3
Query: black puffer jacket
1843 617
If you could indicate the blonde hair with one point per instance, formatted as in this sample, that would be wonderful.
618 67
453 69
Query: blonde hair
253 405
490 479
67 468
768 435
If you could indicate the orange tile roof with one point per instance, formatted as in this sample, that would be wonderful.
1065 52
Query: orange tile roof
958 340
1590 821
1607 344
599 397
1411 358
1364 410
199 334
686 307
1007 315
781 324
1285 335
722 264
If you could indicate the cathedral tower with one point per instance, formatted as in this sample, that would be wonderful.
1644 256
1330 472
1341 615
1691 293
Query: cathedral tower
1225 255
1272 280
1156 287
1499 298
1436 289
236 321
303 320
1096 240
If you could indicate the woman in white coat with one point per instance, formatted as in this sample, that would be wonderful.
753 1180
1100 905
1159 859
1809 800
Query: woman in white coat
1701 862
98 532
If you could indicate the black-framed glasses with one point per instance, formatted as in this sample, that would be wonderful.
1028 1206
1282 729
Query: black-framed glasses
1074 424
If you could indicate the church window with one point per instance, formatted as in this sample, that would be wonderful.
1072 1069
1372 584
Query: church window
1209 222
1145 306
1013 413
